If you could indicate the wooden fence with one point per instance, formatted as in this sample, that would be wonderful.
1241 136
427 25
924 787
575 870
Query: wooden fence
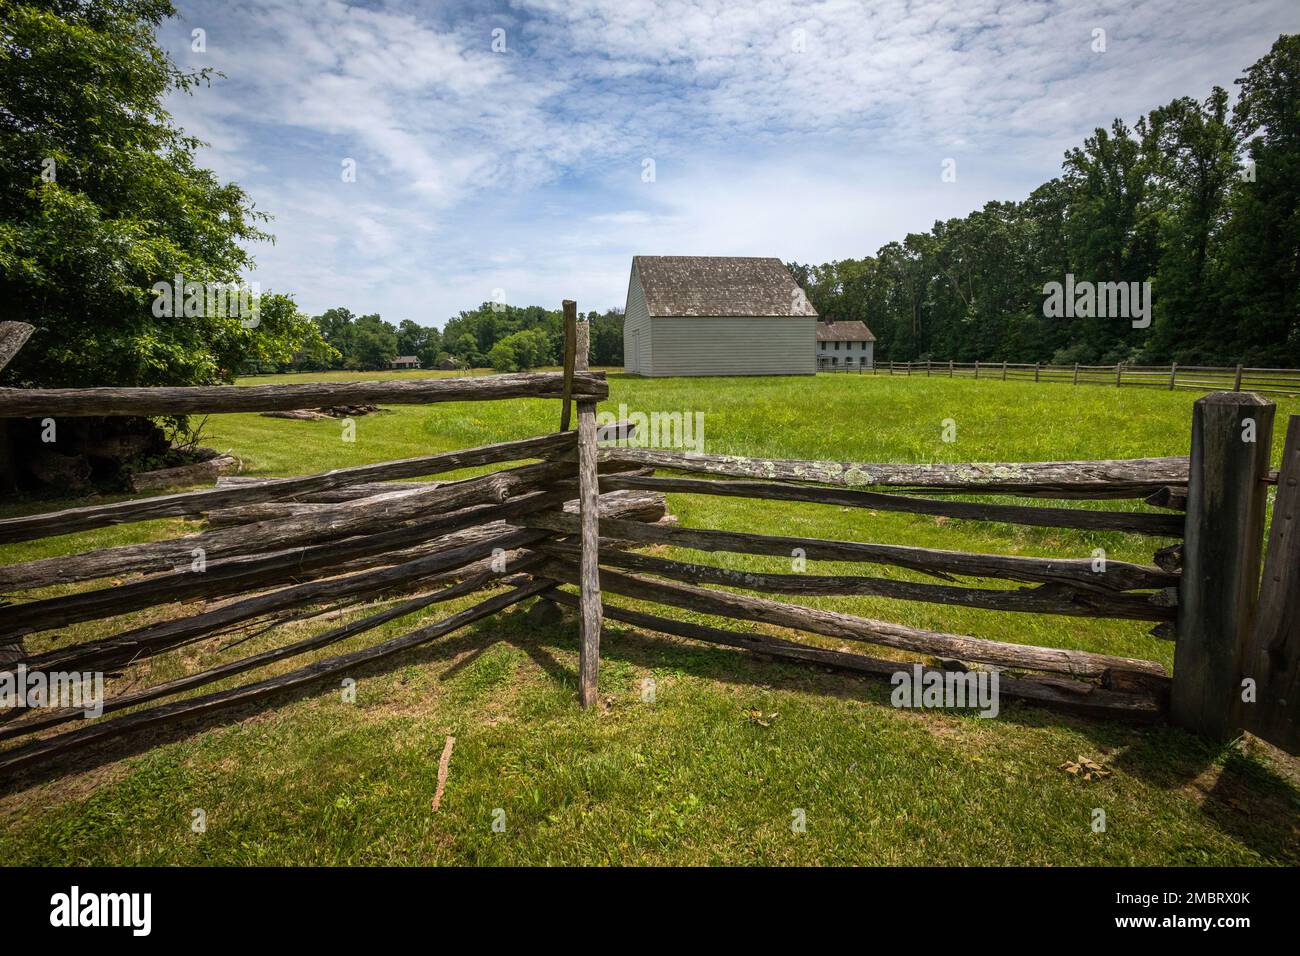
1234 668
573 522
1280 381
278 550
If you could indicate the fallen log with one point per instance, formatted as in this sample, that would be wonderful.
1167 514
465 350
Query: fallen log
231 491
849 627
1077 696
1043 599
1117 576
213 399
1132 522
40 750
197 473
1122 478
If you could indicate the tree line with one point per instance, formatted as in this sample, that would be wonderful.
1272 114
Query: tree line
506 338
1198 198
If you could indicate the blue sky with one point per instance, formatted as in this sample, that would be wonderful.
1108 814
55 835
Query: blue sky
808 131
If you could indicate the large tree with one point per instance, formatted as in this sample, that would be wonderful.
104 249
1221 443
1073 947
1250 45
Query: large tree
101 197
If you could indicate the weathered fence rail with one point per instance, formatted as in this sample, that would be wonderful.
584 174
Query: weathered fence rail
1282 381
285 549
560 513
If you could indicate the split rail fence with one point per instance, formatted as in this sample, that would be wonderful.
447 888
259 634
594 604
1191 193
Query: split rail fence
1280 381
572 524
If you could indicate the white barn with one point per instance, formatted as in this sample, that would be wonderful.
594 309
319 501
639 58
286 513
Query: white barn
716 315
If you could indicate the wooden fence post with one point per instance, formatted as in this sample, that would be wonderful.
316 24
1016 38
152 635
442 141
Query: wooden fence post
1226 499
1236 385
977 368
1036 366
1076 373
588 510
1004 371
570 356
1272 659
1119 375
1173 375
950 368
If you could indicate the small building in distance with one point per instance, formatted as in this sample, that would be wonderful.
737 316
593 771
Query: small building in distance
843 345
716 315
405 361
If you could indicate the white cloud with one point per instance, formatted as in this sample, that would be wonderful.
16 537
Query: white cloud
522 170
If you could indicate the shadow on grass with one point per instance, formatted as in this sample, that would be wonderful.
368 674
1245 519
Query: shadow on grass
1240 796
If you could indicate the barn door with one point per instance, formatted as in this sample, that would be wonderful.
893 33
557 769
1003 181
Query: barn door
1272 657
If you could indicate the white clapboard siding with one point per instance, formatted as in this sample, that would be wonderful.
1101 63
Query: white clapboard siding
636 329
732 345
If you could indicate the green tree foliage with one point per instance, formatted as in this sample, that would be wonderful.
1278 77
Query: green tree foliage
101 198
520 351
1200 198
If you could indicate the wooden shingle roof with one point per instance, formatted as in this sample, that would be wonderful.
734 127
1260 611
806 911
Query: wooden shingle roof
852 331
719 285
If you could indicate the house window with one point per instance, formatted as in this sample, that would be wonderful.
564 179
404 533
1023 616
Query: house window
837 346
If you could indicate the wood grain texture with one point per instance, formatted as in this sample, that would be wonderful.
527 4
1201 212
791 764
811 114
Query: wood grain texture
135 644
1170 526
213 399
589 533
849 627
1124 478
13 336
44 721
1272 656
1226 501
1043 599
570 361
47 748
1077 572
1080 697
230 493
339 521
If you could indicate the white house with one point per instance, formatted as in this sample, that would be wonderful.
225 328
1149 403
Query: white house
716 315
843 345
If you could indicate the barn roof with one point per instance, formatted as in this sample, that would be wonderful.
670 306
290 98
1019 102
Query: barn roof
852 331
719 285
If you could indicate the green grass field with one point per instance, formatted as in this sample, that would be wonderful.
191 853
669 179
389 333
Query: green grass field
691 778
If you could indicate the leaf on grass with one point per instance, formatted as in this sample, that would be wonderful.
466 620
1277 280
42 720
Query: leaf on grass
758 717
1087 768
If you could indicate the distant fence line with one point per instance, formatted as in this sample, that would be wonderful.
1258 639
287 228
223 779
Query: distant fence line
1202 377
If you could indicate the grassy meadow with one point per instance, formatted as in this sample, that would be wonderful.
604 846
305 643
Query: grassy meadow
694 777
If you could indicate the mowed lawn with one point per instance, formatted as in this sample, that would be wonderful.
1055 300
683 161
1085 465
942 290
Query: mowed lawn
692 777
